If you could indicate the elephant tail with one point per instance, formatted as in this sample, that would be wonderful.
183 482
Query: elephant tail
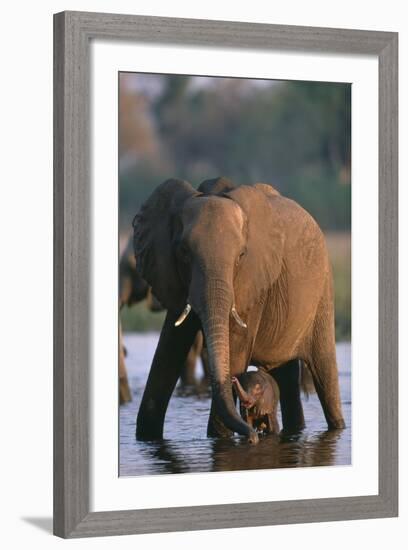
306 380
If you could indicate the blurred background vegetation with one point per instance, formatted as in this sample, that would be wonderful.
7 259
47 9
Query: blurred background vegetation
293 135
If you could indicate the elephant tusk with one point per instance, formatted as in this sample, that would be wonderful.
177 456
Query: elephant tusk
183 316
237 318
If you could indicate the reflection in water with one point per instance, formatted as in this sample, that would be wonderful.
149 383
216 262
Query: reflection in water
276 451
187 449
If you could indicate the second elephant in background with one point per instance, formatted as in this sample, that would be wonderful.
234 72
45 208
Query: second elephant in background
133 289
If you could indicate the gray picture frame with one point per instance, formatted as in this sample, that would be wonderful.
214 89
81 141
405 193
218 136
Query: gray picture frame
73 32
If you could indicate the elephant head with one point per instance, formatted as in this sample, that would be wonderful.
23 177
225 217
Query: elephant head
249 397
198 252
132 287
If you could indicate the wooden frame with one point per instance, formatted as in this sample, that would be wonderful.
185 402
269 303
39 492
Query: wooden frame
72 34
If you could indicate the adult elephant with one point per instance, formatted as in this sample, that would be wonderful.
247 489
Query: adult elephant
250 268
132 287
132 290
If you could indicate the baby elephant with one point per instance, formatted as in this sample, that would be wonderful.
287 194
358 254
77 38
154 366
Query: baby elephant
258 394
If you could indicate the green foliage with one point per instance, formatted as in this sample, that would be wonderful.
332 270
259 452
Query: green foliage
139 318
293 135
339 246
135 186
324 198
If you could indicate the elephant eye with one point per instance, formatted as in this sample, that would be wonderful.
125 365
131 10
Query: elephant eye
241 255
183 253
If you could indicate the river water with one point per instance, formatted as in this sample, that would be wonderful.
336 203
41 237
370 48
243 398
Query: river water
186 448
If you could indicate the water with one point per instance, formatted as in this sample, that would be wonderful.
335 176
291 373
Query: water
186 448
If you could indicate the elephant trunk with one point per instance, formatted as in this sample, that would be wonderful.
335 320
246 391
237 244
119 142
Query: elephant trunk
214 309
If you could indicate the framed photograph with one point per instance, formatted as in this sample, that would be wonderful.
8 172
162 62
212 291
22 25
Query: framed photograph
225 285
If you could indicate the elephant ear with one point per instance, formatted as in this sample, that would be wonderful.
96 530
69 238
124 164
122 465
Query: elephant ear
154 229
216 186
265 238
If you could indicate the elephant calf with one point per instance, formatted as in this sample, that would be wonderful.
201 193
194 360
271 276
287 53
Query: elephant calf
258 395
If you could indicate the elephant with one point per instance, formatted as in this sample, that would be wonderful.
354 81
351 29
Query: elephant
132 290
132 287
258 395
125 394
250 268
188 378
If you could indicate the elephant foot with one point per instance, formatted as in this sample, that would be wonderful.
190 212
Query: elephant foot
338 424
150 422
149 432
148 429
292 429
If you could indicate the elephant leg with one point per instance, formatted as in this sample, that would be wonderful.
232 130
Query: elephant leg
287 377
273 426
323 366
169 358
206 366
125 393
325 378
188 374
244 413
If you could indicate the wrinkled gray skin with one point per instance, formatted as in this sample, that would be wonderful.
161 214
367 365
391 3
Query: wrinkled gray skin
254 268
258 395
